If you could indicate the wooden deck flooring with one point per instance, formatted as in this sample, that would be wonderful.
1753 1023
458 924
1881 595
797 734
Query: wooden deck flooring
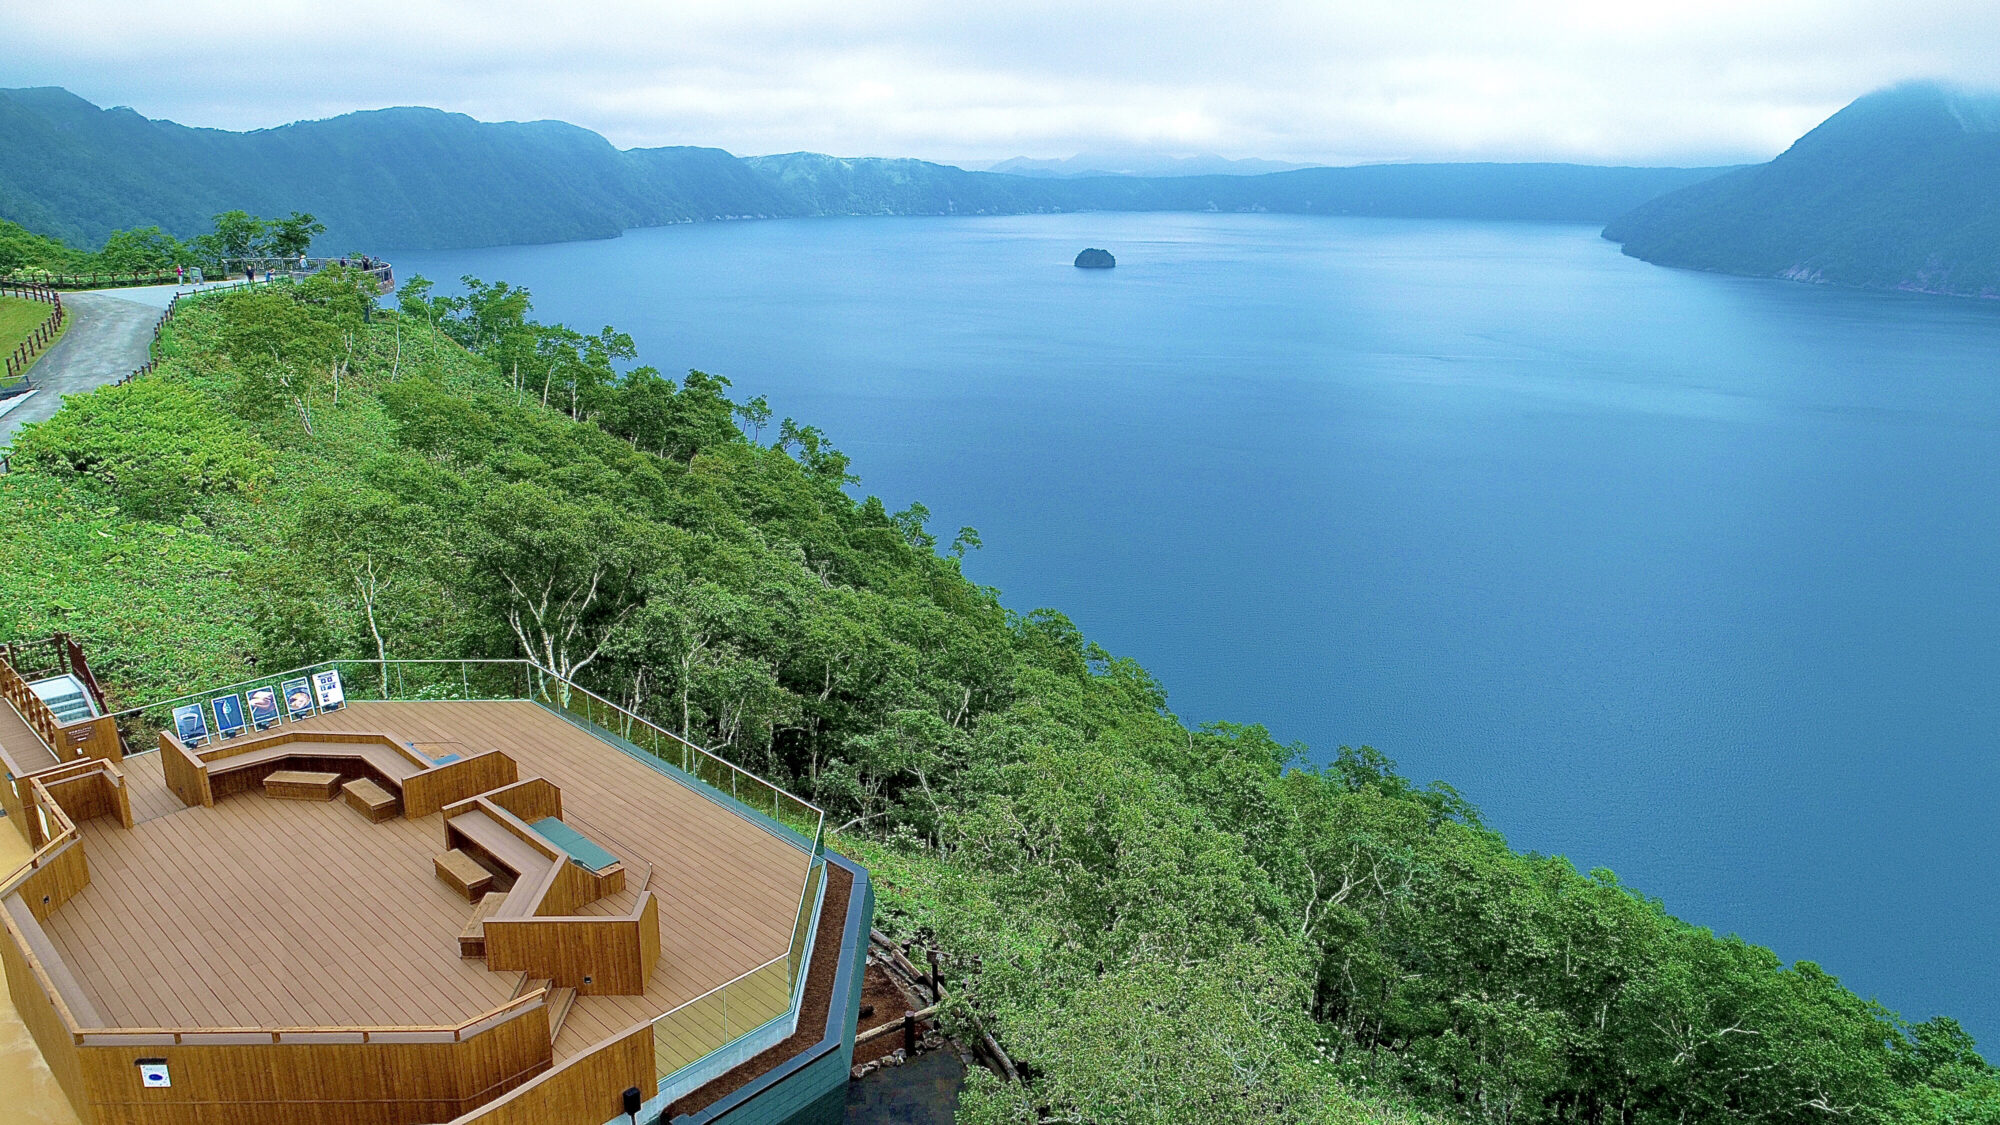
21 749
146 781
262 912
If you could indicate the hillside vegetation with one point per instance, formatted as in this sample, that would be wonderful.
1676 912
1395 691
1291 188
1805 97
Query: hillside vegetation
1893 192
1162 924
422 178
149 254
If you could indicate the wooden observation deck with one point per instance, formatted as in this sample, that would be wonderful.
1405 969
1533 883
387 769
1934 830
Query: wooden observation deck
286 953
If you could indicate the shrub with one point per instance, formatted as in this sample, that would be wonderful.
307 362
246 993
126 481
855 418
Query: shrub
156 446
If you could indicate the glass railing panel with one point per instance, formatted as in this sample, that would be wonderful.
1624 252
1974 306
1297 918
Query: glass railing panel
362 680
690 1031
703 1026
802 927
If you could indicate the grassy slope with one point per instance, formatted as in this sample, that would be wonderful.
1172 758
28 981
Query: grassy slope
162 603
19 317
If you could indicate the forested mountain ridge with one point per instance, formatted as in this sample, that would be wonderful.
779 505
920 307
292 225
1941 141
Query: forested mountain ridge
427 179
1162 924
392 177
1894 192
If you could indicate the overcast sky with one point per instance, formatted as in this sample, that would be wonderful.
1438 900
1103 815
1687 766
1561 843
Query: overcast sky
1328 81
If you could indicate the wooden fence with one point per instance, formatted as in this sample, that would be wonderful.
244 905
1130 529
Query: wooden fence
44 333
295 268
159 327
97 280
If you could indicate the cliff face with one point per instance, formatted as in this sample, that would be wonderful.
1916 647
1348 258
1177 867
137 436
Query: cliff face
425 179
1895 191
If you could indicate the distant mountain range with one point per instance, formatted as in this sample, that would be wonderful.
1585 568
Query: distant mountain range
426 179
1896 191
1141 164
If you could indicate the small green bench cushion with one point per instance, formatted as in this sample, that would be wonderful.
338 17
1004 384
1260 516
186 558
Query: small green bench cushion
580 847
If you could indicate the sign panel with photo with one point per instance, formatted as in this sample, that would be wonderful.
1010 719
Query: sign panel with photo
298 698
263 707
326 685
190 725
228 715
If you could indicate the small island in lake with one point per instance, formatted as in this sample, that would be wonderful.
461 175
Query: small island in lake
1095 259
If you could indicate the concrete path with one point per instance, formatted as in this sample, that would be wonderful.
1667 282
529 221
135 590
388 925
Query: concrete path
109 336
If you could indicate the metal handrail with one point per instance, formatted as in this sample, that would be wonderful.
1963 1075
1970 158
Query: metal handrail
684 742
292 674
738 978
531 668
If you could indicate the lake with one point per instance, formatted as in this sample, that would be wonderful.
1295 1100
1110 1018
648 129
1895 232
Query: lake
1691 577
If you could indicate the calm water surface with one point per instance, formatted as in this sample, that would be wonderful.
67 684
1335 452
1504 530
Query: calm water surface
1689 577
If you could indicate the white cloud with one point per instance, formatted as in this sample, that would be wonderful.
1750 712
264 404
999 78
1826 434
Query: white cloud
1643 81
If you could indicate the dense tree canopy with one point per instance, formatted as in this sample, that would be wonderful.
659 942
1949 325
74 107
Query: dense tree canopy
237 235
1162 924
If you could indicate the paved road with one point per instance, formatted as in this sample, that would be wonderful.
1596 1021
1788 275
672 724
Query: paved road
108 337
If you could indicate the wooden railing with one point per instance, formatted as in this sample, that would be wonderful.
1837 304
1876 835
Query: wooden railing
103 279
44 333
89 788
382 271
400 1035
384 275
64 657
85 738
159 328
80 668
587 1087
58 832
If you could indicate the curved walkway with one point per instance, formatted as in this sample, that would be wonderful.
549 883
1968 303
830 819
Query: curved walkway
109 336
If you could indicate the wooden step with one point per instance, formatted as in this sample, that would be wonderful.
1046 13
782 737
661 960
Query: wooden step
524 986
301 785
472 939
560 1002
463 874
366 797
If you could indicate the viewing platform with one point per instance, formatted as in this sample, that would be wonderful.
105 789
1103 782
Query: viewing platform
507 900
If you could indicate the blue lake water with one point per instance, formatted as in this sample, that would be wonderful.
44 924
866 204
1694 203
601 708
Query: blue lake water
1691 577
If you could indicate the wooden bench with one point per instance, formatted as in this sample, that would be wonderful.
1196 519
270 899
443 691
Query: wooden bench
464 874
206 775
472 939
301 785
369 799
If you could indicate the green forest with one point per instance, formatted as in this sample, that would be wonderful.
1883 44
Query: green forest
1892 192
236 235
1160 923
424 179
